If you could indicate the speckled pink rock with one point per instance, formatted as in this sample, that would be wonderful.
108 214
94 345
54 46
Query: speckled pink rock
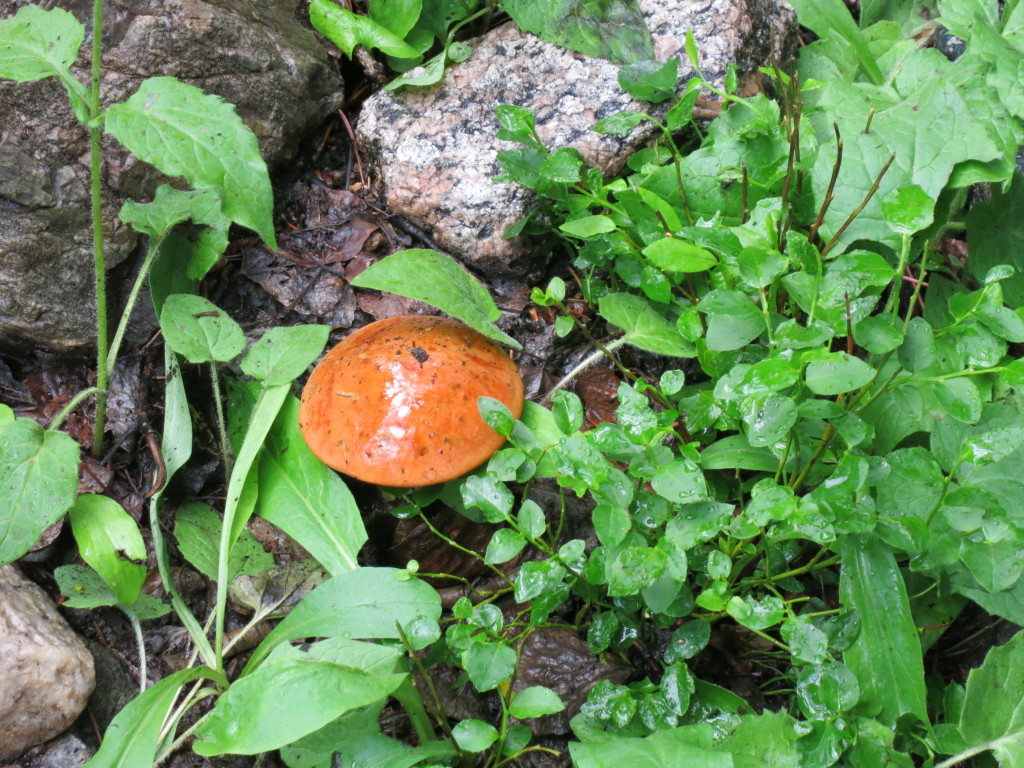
46 672
436 148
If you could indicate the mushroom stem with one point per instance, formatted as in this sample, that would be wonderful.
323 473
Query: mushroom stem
588 361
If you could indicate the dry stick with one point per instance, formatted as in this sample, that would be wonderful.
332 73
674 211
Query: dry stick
780 239
352 138
813 232
859 208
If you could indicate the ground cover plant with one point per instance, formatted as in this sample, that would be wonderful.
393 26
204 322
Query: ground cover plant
827 460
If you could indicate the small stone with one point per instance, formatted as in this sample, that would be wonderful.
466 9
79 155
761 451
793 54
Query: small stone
47 672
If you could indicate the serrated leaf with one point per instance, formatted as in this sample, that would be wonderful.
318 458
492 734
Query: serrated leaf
38 483
183 131
440 281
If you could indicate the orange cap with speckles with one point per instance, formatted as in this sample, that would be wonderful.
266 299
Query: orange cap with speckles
395 403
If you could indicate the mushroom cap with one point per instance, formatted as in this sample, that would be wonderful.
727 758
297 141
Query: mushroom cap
395 402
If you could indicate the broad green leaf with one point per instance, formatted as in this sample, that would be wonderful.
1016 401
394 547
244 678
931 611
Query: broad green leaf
830 19
430 72
644 327
109 540
185 132
681 482
38 483
489 664
733 319
588 226
908 210
366 603
133 737
768 739
197 529
474 735
607 29
440 281
650 80
503 546
283 354
878 334
399 16
535 701
199 330
38 43
171 207
735 452
995 237
886 654
837 372
673 254
347 30
284 700
83 587
688 745
992 718
305 499
6 415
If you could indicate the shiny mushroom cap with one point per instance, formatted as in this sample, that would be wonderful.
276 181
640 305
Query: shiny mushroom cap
395 403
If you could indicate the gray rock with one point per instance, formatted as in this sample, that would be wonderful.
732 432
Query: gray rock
66 751
254 55
47 672
436 148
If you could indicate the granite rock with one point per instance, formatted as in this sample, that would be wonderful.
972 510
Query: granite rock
254 55
47 673
436 148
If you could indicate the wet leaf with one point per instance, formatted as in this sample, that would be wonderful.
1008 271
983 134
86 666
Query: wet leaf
195 328
474 735
644 327
110 541
993 713
283 354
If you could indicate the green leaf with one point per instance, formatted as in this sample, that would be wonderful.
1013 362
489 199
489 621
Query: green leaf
430 72
40 43
733 319
681 482
6 415
650 80
440 281
284 700
133 737
992 718
196 328
886 654
283 354
83 587
489 664
347 30
535 701
837 372
474 735
735 452
400 16
830 19
38 483
198 529
688 745
675 255
109 540
644 327
908 210
608 29
588 226
503 546
305 499
185 132
366 603
995 237
877 334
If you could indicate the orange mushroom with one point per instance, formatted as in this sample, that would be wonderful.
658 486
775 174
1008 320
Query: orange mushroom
395 403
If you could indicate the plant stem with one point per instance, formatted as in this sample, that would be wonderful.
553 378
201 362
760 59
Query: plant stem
588 361
140 641
72 404
222 427
133 297
100 264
